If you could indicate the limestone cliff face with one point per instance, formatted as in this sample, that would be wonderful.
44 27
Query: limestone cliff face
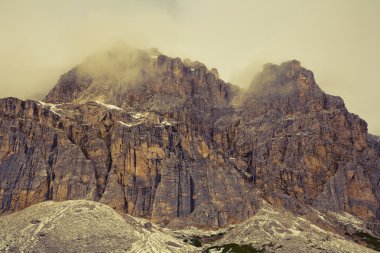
38 161
301 146
180 146
150 157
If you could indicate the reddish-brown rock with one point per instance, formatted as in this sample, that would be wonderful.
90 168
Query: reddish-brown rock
301 146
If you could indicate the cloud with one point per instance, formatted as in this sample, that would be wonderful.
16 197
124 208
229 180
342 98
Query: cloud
121 64
41 39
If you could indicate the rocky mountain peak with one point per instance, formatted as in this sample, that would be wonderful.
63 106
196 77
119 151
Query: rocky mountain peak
287 84
162 138
282 80
141 80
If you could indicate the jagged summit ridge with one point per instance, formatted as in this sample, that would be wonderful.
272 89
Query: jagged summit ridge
142 82
285 79
184 91
287 84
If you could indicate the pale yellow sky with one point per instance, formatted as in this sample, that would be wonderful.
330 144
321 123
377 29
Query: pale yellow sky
337 39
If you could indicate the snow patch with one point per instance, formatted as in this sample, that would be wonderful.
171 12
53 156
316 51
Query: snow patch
109 106
166 123
130 124
140 115
52 107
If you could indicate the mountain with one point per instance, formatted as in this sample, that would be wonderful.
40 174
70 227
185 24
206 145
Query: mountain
167 140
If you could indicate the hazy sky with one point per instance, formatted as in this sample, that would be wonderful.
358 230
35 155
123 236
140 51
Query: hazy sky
339 40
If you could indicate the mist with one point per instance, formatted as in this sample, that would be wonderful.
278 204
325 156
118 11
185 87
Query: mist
121 65
338 40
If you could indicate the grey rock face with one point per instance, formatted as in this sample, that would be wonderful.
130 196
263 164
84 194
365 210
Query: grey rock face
301 146
38 161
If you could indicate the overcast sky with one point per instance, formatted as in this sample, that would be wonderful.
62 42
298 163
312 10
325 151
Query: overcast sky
339 40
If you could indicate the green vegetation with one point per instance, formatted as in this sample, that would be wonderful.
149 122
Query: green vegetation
371 241
198 241
234 248
195 241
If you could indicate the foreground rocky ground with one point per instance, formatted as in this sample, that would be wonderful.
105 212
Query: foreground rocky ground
82 226
87 226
